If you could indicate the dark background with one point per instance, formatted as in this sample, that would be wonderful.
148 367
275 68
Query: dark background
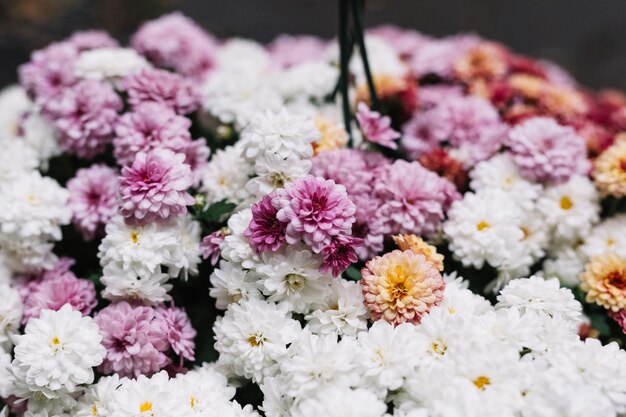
586 36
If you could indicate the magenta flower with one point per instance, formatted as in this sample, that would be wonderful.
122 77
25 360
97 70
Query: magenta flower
152 85
340 253
49 71
93 198
210 246
265 232
155 187
546 151
91 39
414 199
180 333
197 157
376 128
314 210
85 115
147 127
288 51
175 41
620 318
136 339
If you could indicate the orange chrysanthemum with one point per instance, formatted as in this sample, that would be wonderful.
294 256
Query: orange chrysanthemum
334 136
609 171
417 245
486 61
604 281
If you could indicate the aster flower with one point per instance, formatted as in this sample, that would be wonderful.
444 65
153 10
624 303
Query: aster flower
110 64
150 396
340 253
49 71
341 402
130 285
232 284
376 128
96 401
210 245
92 199
604 281
401 287
547 152
266 232
11 312
314 210
226 175
334 135
274 172
85 115
609 172
417 245
135 338
163 87
17 158
155 187
180 333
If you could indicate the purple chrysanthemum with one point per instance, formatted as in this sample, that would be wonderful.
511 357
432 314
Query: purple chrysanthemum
135 338
180 333
314 210
152 85
376 128
546 151
339 254
49 71
149 126
155 187
85 115
288 51
93 198
210 246
197 157
92 39
265 232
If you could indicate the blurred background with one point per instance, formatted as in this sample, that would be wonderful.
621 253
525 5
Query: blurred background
587 37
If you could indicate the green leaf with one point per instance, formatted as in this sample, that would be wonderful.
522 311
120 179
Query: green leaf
600 323
216 212
353 273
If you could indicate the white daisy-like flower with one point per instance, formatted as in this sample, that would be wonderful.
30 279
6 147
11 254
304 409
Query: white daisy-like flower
11 310
608 236
96 400
343 312
39 134
570 208
27 254
16 159
291 277
252 338
58 350
190 252
33 205
383 59
203 389
565 263
274 172
13 104
149 397
235 247
232 284
225 176
459 300
510 326
275 402
108 64
309 80
122 284
6 275
485 227
341 402
6 377
243 57
281 133
500 172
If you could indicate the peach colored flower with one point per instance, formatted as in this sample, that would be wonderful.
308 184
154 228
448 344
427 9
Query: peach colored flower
417 245
609 171
487 60
604 281
334 136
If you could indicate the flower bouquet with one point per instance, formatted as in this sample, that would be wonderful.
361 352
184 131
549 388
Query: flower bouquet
384 225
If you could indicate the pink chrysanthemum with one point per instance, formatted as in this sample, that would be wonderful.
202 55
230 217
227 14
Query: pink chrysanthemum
49 71
414 199
340 253
546 151
152 85
401 287
91 39
175 41
135 338
155 187
149 126
376 128
265 232
85 115
93 198
210 245
620 318
438 57
405 42
54 293
180 333
288 51
368 225
197 157
314 210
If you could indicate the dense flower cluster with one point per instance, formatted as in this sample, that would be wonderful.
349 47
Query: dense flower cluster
186 221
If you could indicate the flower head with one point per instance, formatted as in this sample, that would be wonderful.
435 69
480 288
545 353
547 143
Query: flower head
417 245
376 128
401 286
210 245
164 87
604 281
266 232
609 170
180 333
340 253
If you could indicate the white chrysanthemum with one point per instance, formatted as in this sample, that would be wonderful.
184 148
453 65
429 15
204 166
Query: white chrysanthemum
6 377
16 159
275 402
58 350
225 176
485 227
190 252
565 263
387 355
96 400
343 312
608 236
13 104
28 254
33 205
108 64
243 57
281 133
121 284
291 277
6 275
274 172
39 134
235 247
510 326
459 300
141 250
314 80
570 208
383 59
11 310
544 296
500 172
252 338
203 389
149 397
236 98
232 284
341 402
318 362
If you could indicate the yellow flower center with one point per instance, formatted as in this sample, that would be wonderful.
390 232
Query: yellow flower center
134 236
256 340
294 282
193 402
278 179
481 382
616 279
610 242
566 203
438 347
146 406
31 198
94 410
482 225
